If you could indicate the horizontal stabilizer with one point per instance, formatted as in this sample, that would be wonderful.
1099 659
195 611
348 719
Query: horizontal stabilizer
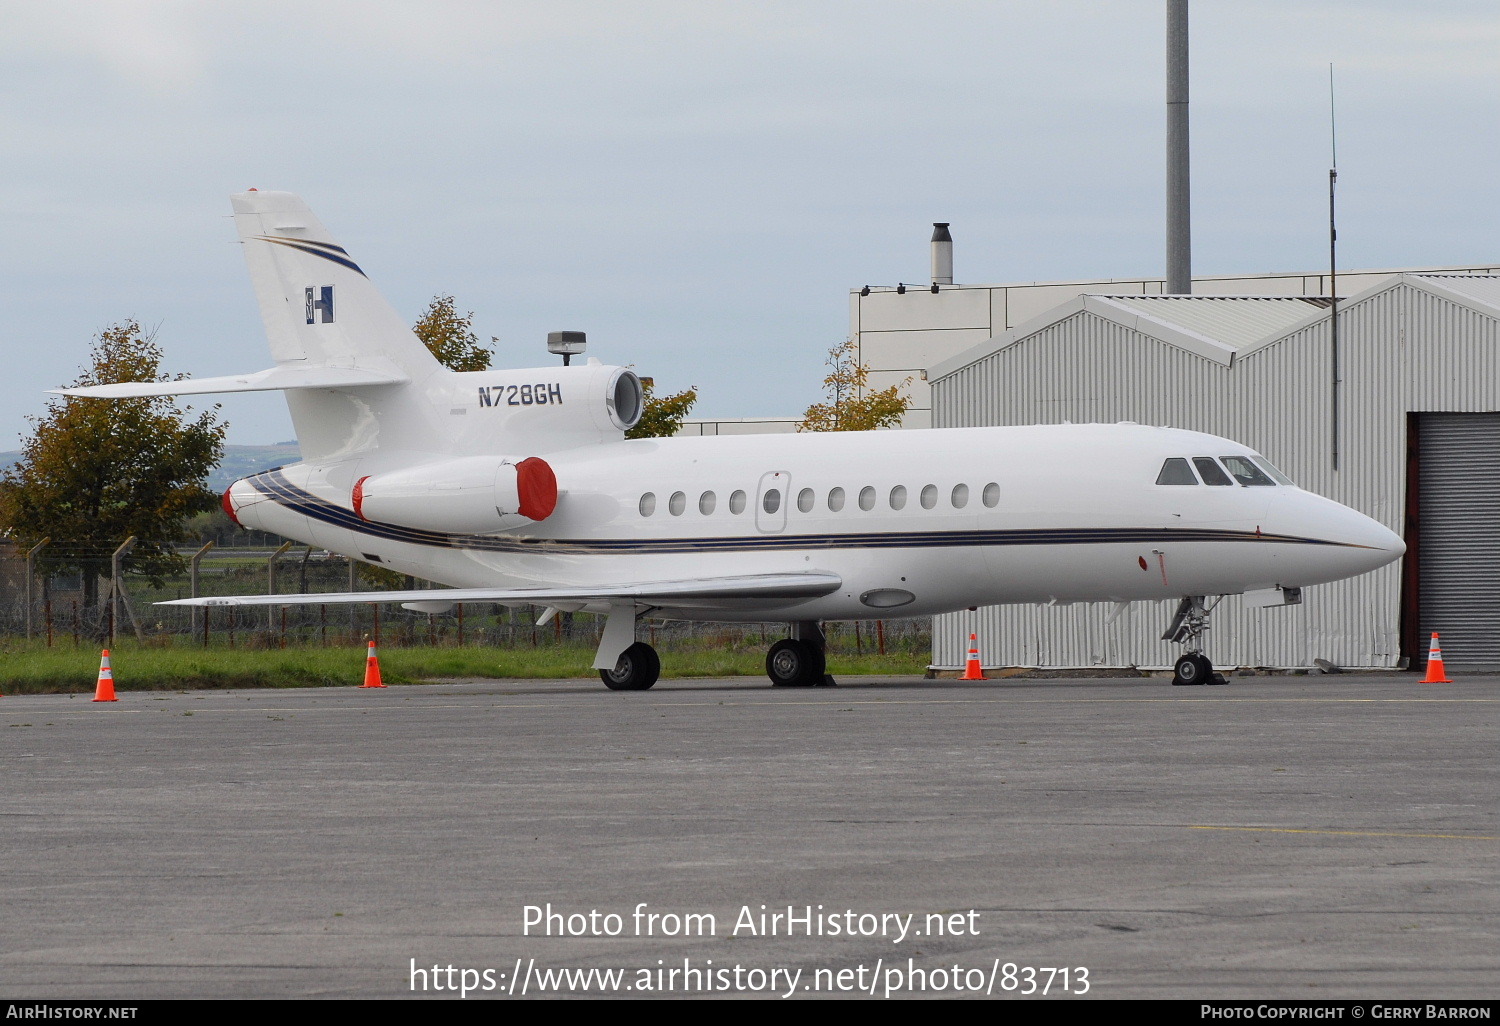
272 380
697 592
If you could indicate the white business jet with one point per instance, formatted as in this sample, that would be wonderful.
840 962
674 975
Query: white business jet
517 487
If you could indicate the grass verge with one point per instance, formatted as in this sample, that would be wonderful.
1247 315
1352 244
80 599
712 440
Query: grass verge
35 669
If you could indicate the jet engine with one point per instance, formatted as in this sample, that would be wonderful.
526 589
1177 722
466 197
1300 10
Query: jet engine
470 495
543 408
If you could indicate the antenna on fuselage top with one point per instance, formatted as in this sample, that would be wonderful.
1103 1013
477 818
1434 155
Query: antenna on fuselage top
567 344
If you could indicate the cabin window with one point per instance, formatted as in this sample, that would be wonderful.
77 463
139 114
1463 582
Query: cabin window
960 496
676 504
1247 473
929 496
991 495
805 500
867 498
1176 472
898 497
835 499
1269 468
648 504
771 501
706 503
737 502
1210 471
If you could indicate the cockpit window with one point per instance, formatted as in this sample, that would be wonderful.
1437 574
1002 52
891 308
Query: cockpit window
1211 471
1269 468
1245 472
1176 472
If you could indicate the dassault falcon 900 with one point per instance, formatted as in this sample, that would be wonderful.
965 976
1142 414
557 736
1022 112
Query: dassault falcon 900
518 487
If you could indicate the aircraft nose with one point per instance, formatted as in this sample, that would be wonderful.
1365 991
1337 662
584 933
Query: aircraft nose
1359 531
1349 542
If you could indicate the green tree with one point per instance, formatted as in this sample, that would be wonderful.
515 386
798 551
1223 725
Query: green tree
662 417
849 406
451 337
96 471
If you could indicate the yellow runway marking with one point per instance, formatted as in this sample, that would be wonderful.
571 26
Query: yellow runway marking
1347 833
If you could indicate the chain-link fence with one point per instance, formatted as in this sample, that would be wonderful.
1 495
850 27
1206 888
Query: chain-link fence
63 594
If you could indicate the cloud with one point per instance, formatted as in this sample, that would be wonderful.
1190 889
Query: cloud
158 47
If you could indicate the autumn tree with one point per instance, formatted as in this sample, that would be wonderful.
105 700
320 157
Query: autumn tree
450 337
849 406
662 416
96 471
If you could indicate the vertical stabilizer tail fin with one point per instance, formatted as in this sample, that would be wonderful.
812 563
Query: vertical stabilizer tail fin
318 306
322 314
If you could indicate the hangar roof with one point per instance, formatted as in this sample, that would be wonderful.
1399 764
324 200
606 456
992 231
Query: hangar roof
1474 288
1223 328
1236 321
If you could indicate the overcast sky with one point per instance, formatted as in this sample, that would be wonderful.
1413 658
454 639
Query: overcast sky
698 184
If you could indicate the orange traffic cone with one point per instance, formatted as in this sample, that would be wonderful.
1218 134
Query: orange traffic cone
372 670
971 668
104 691
1435 672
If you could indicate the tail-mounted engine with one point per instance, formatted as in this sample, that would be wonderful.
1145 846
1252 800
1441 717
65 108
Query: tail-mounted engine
470 495
543 408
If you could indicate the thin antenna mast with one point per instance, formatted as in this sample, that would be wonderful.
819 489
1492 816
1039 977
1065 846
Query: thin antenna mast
1333 291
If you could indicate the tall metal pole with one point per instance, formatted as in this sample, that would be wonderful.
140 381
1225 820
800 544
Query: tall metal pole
1333 313
1333 283
1179 221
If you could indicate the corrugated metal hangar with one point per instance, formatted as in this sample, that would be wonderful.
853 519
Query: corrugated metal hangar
1410 437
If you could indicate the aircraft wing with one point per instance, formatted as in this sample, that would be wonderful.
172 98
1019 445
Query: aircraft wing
698 593
272 380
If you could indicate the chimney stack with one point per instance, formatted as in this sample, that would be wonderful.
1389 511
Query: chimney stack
942 254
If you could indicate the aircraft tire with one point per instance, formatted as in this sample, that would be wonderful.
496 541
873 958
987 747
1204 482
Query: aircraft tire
1192 669
637 669
794 664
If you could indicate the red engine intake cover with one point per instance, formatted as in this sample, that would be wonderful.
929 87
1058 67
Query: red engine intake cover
358 497
536 485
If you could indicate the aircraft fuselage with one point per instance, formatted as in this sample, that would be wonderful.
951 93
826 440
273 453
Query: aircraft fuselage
913 522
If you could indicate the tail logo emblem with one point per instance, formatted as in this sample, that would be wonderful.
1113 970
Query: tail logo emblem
319 301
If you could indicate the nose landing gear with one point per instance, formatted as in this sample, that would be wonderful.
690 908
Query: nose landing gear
1187 628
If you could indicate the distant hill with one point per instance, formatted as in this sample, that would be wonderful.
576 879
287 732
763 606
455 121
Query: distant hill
239 461
243 460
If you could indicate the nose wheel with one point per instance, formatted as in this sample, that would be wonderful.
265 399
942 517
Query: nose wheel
1193 668
1187 628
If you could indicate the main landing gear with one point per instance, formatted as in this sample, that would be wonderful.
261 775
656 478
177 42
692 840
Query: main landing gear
796 662
637 669
1187 628
800 661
